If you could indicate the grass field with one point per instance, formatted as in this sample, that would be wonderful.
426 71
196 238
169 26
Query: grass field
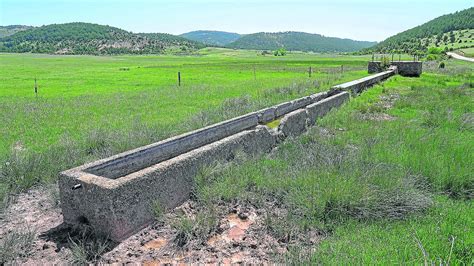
90 107
468 52
386 179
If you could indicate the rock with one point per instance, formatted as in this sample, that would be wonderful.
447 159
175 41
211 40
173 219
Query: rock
243 216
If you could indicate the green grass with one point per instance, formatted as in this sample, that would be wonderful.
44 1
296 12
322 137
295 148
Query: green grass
469 52
381 191
78 94
442 236
89 107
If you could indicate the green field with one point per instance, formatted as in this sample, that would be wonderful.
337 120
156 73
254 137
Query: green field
468 52
89 107
385 179
83 93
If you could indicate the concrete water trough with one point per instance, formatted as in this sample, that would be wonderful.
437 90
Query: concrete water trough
114 196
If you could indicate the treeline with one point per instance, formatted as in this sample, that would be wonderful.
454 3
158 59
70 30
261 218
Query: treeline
87 38
298 41
410 41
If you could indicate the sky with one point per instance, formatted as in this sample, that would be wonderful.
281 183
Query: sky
371 20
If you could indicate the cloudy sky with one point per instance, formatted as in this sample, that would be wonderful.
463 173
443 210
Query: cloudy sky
372 20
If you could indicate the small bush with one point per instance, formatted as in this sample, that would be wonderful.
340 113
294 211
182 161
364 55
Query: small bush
280 52
442 65
435 50
431 57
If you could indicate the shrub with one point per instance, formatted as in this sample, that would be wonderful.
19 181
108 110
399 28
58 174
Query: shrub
434 50
280 52
441 65
384 62
431 57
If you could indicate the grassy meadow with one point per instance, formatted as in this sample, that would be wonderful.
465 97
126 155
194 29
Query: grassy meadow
90 107
386 179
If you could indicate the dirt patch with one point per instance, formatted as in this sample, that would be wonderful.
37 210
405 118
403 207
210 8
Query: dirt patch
377 117
238 235
376 112
35 211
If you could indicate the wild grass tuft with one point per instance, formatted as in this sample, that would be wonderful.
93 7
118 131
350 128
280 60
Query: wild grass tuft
87 247
15 245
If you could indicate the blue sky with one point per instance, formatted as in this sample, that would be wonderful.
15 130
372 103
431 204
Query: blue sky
357 19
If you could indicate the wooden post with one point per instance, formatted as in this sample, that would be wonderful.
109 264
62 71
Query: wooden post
392 57
399 57
179 78
310 71
342 68
36 88
254 73
373 57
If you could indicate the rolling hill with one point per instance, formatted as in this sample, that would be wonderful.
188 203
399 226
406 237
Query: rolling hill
436 32
12 29
298 41
218 38
87 38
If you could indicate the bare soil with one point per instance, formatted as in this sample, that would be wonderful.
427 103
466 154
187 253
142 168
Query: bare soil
239 235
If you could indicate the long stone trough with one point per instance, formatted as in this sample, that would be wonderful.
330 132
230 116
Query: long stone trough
115 195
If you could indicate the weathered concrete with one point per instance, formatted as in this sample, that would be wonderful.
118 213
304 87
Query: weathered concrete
359 85
120 207
321 108
133 160
405 68
293 124
266 115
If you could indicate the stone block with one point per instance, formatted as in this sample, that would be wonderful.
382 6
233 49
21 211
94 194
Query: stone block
293 124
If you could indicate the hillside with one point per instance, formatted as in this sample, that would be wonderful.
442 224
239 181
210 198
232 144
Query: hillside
86 38
298 41
12 29
435 32
219 38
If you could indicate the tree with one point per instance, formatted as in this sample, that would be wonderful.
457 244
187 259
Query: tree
452 38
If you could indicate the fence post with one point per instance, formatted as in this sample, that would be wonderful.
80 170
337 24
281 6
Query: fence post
310 71
179 79
36 88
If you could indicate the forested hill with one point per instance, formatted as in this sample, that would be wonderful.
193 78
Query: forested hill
420 37
298 41
86 38
219 38
12 29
